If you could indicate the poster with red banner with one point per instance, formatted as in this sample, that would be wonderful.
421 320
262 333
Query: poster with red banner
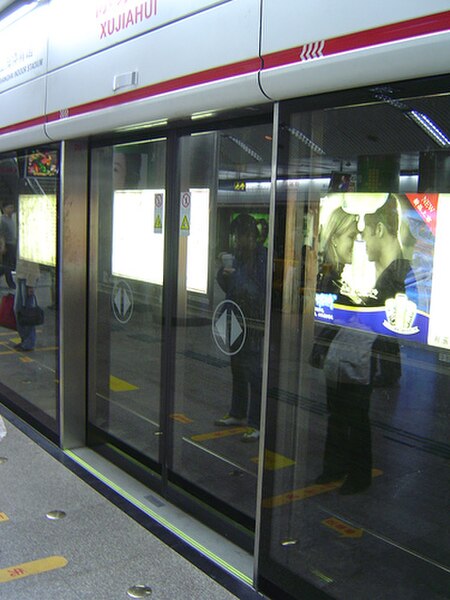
383 264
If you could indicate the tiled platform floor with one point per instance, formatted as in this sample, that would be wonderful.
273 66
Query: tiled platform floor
107 552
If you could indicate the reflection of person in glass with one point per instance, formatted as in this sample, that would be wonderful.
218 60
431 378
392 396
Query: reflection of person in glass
348 384
244 282
27 274
394 276
8 231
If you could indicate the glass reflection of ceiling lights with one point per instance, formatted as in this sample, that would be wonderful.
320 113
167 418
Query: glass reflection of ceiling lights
304 139
419 118
245 147
430 128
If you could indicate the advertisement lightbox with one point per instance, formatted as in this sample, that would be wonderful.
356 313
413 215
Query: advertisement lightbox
383 264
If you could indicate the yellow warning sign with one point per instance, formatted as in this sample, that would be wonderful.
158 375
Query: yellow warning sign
344 529
3 517
158 222
274 461
32 568
218 434
185 224
119 385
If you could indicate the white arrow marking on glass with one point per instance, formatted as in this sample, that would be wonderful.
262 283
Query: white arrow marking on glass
122 302
125 302
221 326
236 329
117 300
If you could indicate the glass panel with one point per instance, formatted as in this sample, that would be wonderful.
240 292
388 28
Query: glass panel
28 247
224 210
128 190
360 356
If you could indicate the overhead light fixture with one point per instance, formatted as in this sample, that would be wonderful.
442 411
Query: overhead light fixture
429 127
144 125
304 139
202 115
245 147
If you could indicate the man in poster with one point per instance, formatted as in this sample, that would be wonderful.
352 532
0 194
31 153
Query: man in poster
394 277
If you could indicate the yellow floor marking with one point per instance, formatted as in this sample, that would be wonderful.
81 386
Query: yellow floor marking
12 351
307 492
15 340
3 517
274 461
344 529
119 385
32 568
218 434
26 359
180 418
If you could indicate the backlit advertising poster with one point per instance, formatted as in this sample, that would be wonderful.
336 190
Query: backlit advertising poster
439 326
37 228
383 264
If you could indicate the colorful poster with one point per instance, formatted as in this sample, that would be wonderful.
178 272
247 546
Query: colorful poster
439 326
376 263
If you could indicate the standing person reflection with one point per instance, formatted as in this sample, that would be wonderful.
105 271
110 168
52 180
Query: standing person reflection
244 282
27 274
8 230
348 371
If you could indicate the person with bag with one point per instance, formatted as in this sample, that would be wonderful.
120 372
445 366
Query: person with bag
28 313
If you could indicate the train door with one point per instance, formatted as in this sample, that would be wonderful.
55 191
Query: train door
178 294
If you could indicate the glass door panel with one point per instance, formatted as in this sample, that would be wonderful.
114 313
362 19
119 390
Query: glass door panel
222 264
29 187
128 193
360 352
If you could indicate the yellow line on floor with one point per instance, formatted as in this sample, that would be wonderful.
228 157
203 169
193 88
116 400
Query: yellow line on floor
119 385
32 568
40 349
343 528
3 517
181 418
274 461
306 492
218 434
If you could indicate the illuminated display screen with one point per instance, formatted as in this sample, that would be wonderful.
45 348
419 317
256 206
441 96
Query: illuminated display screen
439 330
138 251
37 228
384 264
198 242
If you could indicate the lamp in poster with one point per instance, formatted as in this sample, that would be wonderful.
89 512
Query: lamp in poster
382 264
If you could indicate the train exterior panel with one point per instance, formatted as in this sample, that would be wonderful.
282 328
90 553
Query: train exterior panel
348 47
169 72
234 215
169 60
